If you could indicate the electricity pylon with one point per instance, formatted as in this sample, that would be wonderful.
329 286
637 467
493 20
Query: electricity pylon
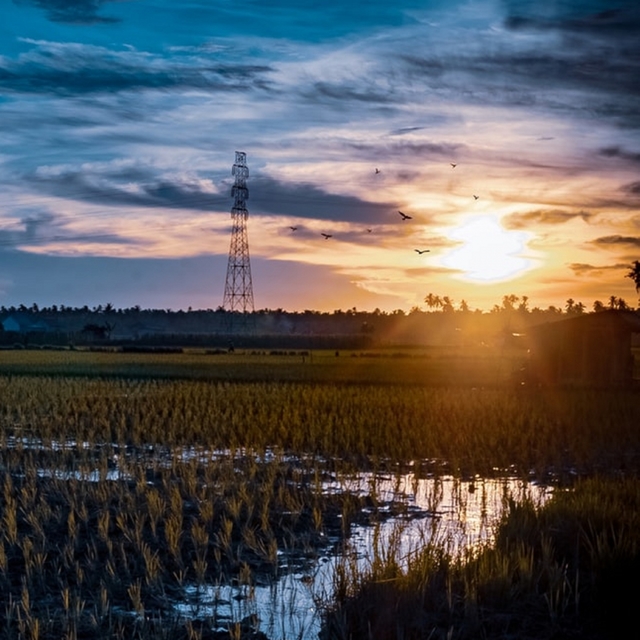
238 288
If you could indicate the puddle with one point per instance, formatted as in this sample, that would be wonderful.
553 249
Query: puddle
405 512
458 514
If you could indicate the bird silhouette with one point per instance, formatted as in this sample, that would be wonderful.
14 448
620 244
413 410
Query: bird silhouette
326 235
293 228
421 251
453 165
475 197
404 216
377 170
369 230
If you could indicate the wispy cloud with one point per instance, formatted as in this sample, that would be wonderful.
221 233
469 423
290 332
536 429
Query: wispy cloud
38 228
590 270
529 219
617 240
127 185
68 69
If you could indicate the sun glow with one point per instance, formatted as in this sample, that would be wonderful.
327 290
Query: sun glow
489 253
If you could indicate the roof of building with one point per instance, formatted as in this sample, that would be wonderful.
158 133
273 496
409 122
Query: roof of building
609 320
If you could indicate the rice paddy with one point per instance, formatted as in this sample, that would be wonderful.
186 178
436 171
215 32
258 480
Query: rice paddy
254 495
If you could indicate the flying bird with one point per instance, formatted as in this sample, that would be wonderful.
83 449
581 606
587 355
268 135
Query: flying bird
404 216
377 170
453 165
475 197
369 230
421 251
293 228
326 235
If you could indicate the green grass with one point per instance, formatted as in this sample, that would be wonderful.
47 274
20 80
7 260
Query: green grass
435 366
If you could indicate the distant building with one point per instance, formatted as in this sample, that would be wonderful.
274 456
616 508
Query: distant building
23 323
593 349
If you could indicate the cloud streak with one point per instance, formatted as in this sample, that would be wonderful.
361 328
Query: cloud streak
617 240
544 216
70 69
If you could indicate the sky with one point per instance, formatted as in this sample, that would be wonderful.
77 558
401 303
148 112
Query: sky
507 130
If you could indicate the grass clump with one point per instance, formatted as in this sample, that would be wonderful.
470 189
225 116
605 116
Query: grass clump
564 570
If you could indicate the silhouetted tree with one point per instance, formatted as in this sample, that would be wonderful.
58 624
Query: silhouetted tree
508 302
634 274
523 307
433 302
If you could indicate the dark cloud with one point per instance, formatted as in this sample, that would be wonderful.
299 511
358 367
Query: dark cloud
617 240
43 227
516 78
35 224
325 92
633 188
114 187
599 57
569 15
404 130
617 152
307 201
71 11
544 216
72 69
584 269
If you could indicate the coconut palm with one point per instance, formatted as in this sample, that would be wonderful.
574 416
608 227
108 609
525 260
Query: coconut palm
634 274
433 302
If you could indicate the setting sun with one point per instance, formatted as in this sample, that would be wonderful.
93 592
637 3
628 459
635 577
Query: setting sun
488 252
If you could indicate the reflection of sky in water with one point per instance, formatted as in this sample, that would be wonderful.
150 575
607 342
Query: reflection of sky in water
456 513
444 509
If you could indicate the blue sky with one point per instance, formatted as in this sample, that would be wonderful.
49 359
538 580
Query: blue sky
120 121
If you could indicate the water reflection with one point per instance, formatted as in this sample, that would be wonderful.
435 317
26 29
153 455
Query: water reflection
446 510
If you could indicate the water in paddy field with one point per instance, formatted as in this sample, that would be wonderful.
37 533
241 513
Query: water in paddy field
459 514
408 511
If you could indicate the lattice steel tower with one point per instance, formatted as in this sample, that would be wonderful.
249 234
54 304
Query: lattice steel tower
238 288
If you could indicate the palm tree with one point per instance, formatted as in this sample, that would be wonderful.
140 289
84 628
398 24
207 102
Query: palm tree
524 304
509 302
433 302
634 274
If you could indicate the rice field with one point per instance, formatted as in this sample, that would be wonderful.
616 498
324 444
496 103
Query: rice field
169 495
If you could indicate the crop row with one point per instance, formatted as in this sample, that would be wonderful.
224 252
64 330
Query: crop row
473 430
